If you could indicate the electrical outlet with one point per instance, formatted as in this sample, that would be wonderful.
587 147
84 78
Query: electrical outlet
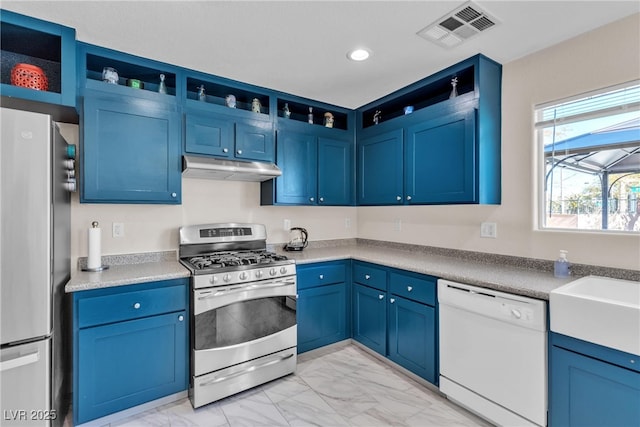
489 229
286 224
397 224
117 229
347 223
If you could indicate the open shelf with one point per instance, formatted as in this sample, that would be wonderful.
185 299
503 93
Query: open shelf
422 97
26 45
148 76
216 94
300 113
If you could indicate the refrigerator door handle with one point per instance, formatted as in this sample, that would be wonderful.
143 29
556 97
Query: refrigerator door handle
19 361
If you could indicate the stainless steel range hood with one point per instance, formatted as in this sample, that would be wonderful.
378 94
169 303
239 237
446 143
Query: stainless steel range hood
231 170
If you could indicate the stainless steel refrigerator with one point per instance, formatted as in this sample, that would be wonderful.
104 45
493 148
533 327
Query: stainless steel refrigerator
34 268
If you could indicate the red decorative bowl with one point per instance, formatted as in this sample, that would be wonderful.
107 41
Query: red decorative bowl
30 76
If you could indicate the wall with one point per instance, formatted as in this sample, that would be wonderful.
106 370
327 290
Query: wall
601 58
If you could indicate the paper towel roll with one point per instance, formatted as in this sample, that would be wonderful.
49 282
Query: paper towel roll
94 260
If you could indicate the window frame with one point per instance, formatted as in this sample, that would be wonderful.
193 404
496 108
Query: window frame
539 144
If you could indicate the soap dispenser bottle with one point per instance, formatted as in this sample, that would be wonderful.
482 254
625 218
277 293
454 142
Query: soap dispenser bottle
561 266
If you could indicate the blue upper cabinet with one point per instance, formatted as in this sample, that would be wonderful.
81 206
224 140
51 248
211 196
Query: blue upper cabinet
131 130
451 151
227 119
49 47
316 158
429 179
380 169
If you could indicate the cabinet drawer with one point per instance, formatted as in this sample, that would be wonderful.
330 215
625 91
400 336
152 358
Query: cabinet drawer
320 274
370 276
130 305
415 287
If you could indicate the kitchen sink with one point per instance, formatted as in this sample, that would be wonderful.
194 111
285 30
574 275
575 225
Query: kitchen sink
600 310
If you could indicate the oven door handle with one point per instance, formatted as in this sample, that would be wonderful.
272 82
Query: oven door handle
246 288
246 371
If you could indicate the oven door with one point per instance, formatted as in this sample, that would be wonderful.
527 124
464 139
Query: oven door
236 323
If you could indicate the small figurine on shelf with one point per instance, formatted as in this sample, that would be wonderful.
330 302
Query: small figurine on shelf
256 106
162 87
454 90
377 116
286 111
201 95
230 100
310 116
110 75
328 119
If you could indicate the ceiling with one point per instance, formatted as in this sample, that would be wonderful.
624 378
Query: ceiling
300 46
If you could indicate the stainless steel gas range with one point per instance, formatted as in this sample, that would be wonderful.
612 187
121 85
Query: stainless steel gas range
243 309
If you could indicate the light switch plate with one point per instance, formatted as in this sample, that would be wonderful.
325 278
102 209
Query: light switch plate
117 229
489 229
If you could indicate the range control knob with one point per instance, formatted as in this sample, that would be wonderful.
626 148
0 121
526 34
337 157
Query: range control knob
259 274
226 277
272 272
283 270
243 276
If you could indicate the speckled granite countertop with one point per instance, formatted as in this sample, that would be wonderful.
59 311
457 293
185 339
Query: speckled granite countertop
521 276
128 270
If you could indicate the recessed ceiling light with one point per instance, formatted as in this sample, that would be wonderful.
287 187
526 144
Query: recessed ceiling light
359 54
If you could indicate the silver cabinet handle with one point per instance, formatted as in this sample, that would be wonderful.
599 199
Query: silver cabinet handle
408 197
381 296
392 300
409 288
321 276
136 305
321 199
174 194
27 359
311 199
180 318
239 151
398 198
225 150
367 277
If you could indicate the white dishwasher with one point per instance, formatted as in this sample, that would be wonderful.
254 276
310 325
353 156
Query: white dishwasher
493 353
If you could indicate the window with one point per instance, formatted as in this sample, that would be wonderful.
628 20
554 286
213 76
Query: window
591 152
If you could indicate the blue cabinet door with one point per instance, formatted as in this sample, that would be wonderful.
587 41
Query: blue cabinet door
586 391
322 316
254 141
207 134
370 317
296 157
335 172
380 169
412 341
131 151
125 364
440 160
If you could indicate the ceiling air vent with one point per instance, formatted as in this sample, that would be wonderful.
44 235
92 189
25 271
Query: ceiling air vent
458 25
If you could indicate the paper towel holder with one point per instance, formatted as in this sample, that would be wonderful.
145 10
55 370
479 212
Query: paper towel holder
94 224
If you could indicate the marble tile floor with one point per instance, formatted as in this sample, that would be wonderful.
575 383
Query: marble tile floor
343 386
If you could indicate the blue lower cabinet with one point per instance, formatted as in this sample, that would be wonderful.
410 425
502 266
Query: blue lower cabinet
135 356
600 387
129 363
321 316
370 317
323 304
411 336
